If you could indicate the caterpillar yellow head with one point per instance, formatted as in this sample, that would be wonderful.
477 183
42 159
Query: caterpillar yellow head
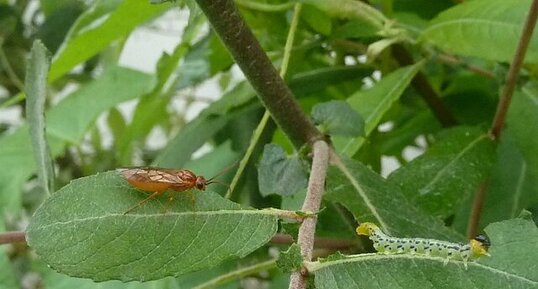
479 246
367 229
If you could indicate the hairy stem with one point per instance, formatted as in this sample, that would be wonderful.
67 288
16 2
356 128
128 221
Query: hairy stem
258 69
12 237
312 203
511 78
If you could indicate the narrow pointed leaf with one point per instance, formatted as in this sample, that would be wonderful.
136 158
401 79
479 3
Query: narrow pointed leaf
482 24
82 231
36 92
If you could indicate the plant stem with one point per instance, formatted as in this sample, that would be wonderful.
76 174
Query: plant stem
238 274
263 122
422 85
476 210
511 78
258 69
449 59
12 237
502 108
326 243
312 203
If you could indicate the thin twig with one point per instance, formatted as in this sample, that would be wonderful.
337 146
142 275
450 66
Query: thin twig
511 78
258 69
449 59
502 107
12 237
311 203
424 88
237 274
263 122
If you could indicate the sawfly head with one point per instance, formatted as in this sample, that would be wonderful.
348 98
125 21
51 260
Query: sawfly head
480 245
367 229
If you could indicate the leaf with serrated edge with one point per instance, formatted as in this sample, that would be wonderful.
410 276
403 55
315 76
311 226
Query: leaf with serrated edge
82 231
514 250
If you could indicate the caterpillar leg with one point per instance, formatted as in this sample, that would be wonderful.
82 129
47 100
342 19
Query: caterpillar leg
445 262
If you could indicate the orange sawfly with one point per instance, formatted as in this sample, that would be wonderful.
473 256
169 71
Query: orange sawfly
159 180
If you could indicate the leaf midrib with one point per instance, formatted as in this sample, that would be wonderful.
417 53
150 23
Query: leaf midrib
159 215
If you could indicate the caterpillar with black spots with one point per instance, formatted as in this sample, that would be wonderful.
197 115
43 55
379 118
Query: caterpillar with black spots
385 244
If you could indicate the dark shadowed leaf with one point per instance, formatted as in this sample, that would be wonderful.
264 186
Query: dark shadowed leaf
338 118
280 174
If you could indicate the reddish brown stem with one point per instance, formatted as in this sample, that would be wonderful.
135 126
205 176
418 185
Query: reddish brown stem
12 237
511 78
478 202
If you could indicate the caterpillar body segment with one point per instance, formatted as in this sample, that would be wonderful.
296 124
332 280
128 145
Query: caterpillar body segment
385 244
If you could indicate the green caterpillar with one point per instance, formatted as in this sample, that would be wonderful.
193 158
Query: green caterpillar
385 244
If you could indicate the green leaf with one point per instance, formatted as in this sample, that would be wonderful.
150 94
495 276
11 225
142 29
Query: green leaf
372 104
514 182
511 265
197 132
280 174
348 9
512 185
521 124
116 123
371 198
82 231
70 119
36 92
449 172
88 38
338 118
318 20
482 24
290 260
